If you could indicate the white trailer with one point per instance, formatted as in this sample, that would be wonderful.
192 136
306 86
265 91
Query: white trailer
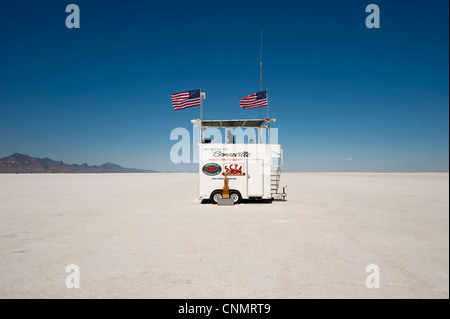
253 170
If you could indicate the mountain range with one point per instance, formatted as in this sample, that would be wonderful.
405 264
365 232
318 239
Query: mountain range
21 163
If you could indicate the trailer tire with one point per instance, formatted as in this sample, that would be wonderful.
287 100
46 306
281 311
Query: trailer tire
236 196
215 195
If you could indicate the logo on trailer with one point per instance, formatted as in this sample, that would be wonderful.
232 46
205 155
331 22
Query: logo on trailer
211 169
234 169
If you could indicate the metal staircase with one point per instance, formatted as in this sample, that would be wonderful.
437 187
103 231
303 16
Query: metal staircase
275 173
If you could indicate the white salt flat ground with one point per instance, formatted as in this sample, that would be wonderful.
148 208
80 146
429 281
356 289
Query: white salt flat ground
145 236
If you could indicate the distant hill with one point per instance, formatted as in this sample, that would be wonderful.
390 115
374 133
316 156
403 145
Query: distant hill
20 163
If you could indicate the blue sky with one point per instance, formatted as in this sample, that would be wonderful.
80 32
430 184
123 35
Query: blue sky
338 90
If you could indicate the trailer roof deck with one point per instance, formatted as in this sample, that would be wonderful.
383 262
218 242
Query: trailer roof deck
260 124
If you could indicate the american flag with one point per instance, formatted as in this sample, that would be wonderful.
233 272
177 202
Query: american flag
185 99
254 101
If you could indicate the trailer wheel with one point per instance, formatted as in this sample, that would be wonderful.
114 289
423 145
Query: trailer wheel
236 196
215 196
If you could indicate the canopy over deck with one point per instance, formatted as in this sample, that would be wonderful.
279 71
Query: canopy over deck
234 123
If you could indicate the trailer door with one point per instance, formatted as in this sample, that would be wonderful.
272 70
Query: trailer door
255 177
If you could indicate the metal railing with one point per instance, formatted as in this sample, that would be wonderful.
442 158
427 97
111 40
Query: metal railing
275 172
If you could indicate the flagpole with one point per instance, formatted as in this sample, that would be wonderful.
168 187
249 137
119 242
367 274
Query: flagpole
260 72
268 124
201 117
